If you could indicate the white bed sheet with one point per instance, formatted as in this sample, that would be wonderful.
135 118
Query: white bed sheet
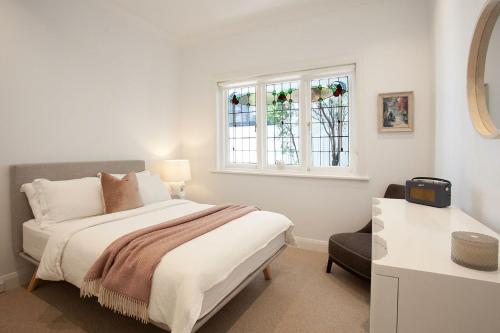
218 292
192 278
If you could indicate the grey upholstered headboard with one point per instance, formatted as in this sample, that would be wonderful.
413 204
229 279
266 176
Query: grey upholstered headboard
26 173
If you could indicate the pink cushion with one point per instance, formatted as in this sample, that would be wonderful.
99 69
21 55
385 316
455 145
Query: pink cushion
120 194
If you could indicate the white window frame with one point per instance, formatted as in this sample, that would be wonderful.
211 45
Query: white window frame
305 167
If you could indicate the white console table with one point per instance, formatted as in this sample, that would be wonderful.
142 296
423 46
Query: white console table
415 286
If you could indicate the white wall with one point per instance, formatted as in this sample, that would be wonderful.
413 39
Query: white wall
389 40
88 81
471 162
81 80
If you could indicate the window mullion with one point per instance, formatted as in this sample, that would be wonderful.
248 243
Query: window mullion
305 122
260 116
224 131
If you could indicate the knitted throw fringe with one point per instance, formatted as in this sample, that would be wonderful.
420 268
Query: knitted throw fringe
119 303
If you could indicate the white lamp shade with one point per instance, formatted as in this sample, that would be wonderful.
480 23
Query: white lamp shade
176 171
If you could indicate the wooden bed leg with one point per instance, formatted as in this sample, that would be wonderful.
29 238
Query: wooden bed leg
267 273
33 282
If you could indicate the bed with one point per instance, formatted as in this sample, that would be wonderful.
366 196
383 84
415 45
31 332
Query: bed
184 295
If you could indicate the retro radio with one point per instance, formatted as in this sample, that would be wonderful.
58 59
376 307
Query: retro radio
429 191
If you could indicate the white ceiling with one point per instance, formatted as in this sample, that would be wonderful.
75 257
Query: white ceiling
189 18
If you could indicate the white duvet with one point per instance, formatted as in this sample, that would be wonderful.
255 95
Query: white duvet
184 274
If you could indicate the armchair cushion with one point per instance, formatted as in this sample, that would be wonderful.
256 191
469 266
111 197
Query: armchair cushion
352 251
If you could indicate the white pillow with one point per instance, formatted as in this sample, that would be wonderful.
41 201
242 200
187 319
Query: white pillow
69 199
121 175
33 200
151 188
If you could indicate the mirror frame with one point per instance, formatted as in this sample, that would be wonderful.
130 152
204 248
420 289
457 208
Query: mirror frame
478 108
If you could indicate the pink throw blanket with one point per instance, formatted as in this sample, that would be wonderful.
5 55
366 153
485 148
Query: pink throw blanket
121 277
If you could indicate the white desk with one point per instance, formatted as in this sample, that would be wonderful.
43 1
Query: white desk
416 287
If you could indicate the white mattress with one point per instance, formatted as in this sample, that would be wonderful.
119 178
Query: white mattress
35 239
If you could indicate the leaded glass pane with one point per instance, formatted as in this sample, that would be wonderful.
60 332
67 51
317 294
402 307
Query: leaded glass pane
282 110
241 124
330 106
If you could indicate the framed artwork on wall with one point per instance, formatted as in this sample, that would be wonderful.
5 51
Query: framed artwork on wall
395 112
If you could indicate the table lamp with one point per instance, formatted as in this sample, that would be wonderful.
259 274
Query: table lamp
177 173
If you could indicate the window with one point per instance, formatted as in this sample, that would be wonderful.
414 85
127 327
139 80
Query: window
241 125
330 121
298 122
282 112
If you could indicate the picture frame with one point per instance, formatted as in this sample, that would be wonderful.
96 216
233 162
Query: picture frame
395 112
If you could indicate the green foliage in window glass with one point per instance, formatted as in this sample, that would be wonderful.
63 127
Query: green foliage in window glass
280 113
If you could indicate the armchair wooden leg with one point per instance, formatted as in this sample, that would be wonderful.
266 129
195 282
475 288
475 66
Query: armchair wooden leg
329 265
267 273
33 282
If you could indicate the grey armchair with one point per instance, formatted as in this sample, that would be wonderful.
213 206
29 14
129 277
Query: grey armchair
353 251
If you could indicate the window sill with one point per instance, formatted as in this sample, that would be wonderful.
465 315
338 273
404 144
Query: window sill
292 174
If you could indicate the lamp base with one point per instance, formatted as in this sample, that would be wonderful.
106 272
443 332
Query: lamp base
178 190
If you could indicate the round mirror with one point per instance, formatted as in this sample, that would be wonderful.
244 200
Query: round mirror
484 72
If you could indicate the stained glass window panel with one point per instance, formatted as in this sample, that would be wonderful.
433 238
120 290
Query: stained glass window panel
242 136
283 132
330 107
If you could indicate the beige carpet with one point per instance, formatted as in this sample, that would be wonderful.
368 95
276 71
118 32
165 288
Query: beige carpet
300 298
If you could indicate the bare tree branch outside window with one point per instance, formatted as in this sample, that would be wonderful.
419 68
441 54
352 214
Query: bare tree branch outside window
330 109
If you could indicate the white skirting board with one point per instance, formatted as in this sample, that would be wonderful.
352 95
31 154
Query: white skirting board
312 244
9 281
19 278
